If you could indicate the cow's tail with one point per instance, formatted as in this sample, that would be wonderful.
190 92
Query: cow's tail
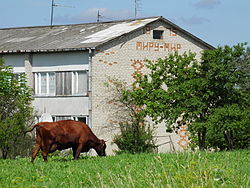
29 130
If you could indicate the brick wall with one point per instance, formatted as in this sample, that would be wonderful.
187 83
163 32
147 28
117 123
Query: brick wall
119 59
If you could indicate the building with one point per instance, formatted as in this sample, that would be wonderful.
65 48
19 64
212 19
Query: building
67 65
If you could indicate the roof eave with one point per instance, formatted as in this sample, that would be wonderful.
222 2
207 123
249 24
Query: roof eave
45 50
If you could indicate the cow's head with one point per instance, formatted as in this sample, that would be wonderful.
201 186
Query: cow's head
101 148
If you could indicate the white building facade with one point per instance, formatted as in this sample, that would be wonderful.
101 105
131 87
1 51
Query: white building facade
68 66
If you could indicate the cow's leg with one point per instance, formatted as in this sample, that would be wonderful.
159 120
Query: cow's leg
78 151
53 148
74 151
35 151
37 146
45 154
46 145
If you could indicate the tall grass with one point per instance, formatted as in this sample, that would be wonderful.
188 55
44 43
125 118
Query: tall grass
200 169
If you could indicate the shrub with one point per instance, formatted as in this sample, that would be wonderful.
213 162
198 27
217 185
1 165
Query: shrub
15 109
135 138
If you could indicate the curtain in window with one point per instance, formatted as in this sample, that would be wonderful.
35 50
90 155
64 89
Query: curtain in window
82 83
52 83
43 87
63 83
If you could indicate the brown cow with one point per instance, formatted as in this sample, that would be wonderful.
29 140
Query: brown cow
60 135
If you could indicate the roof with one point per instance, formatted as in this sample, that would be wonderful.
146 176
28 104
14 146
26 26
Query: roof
72 37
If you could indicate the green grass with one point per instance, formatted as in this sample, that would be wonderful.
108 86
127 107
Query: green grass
200 169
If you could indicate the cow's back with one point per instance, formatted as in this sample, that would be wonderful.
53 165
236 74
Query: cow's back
65 131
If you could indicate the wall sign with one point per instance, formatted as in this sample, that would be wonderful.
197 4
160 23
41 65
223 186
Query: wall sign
156 46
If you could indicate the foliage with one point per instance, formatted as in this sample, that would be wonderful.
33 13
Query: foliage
187 169
180 86
231 125
22 147
134 139
135 135
15 108
227 71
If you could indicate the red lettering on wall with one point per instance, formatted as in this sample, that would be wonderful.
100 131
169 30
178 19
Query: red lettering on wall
155 46
172 32
139 46
145 46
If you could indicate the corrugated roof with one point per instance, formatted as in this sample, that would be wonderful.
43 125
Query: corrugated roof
69 37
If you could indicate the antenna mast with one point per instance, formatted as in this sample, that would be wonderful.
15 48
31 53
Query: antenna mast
98 16
137 7
52 12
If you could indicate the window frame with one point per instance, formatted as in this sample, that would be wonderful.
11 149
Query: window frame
158 33
38 86
70 117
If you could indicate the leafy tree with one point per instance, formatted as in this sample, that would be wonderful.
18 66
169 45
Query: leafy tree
15 108
180 86
229 123
228 127
135 134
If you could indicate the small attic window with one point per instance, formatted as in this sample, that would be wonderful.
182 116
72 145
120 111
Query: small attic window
157 34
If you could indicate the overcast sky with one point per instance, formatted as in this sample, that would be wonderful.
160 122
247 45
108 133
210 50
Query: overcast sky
218 22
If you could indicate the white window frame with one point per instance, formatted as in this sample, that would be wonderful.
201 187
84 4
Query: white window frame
75 77
38 88
74 86
70 117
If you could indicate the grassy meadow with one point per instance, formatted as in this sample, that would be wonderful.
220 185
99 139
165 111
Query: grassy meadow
199 169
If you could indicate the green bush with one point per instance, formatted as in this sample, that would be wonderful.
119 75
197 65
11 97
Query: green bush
16 111
228 128
135 138
22 147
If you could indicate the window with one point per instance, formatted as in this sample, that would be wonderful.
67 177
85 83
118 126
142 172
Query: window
83 119
45 83
17 76
61 83
79 83
157 34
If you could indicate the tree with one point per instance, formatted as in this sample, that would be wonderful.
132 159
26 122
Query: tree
228 127
180 86
135 134
15 108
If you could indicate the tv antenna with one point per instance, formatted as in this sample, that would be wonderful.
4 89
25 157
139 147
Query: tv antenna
138 7
52 10
99 16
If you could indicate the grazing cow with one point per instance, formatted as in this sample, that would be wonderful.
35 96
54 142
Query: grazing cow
60 135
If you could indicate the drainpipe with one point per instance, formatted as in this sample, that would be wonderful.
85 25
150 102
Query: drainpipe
90 86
